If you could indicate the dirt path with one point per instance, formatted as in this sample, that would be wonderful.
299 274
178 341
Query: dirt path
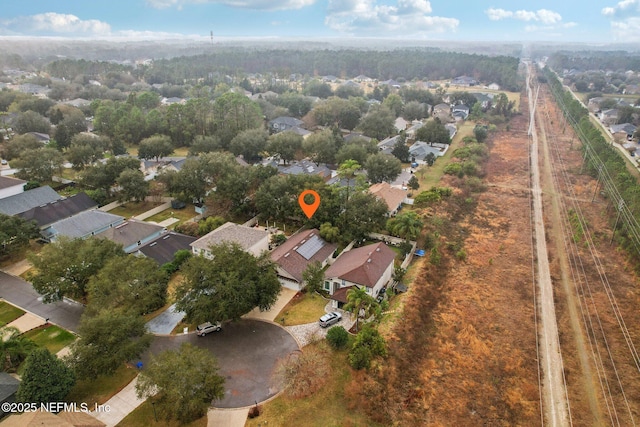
555 403
559 240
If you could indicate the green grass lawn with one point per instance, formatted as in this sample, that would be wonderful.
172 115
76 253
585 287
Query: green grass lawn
101 389
9 313
306 308
51 337
130 209
182 214
143 416
429 176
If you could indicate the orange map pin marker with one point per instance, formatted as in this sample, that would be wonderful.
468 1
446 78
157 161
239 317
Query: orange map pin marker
309 210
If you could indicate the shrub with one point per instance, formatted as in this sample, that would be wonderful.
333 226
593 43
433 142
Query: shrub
189 228
368 344
254 411
337 337
360 358
453 169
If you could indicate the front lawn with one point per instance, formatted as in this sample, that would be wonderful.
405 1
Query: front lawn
303 308
144 416
181 214
51 337
130 209
101 389
9 313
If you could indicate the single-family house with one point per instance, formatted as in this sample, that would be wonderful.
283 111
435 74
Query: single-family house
173 100
485 99
284 123
594 104
41 137
44 418
252 240
57 210
351 83
81 226
609 117
394 84
393 197
363 79
494 86
163 248
294 256
386 145
464 81
369 267
355 135
420 149
306 167
625 129
22 202
411 130
132 234
401 124
452 129
78 102
460 111
10 186
442 111
8 389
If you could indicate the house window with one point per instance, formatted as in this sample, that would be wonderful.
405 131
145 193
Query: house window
327 285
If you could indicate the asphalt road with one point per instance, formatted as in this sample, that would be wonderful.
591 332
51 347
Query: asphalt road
248 352
21 293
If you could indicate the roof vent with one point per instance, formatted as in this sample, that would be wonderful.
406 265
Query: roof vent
153 244
377 249
369 260
286 255
166 237
295 248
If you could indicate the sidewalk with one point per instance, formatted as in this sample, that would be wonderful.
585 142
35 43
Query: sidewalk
27 322
120 405
283 299
227 417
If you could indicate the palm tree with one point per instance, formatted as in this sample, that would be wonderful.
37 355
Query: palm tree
406 225
14 348
360 303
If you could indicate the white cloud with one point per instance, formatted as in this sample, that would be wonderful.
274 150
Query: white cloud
625 20
56 23
241 4
541 15
623 9
407 17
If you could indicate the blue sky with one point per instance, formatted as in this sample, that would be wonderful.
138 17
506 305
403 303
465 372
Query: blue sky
600 21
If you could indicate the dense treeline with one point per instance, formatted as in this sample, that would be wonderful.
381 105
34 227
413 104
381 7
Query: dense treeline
404 64
407 64
607 154
592 60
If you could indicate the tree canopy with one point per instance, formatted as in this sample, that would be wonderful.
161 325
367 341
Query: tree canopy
227 286
189 398
382 167
45 378
64 267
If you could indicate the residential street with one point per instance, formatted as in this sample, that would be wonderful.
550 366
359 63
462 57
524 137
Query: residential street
19 292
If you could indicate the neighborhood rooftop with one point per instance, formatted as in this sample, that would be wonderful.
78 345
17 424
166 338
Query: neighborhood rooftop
8 182
364 265
230 232
130 232
27 200
299 250
163 248
59 209
84 224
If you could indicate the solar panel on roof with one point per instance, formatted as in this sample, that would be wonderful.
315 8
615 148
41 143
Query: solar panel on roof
311 247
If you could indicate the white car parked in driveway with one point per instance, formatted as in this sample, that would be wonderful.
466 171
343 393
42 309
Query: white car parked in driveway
330 319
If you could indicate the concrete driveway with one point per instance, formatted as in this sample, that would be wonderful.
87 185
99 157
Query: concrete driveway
21 293
166 321
247 351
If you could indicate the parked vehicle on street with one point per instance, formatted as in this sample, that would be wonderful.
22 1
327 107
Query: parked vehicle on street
208 327
330 319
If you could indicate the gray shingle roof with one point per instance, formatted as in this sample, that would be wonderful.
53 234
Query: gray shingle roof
22 202
84 224
7 182
130 232
59 209
164 248
230 232
8 386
